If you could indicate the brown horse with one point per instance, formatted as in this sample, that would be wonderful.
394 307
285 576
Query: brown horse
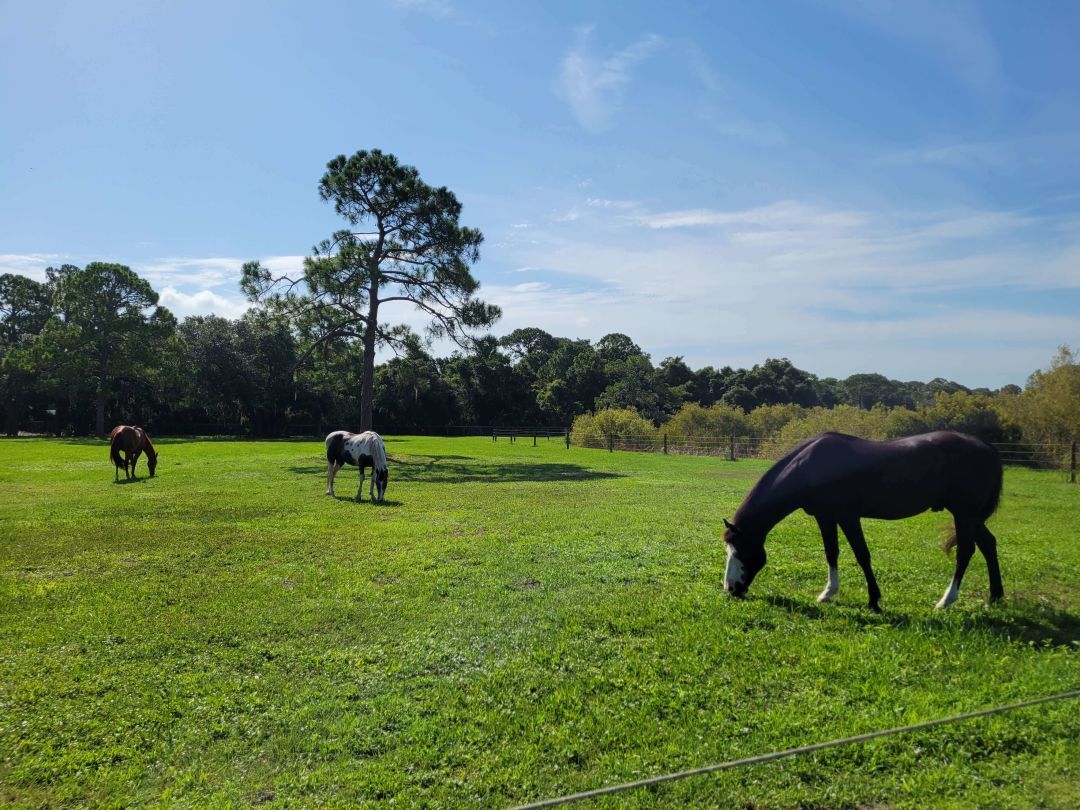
132 442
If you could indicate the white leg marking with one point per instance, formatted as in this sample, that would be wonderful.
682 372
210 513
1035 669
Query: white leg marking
331 472
832 588
949 597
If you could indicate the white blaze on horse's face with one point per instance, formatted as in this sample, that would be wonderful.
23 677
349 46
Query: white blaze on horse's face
734 574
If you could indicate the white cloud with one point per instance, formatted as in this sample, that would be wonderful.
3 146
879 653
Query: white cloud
594 87
31 265
204 302
839 290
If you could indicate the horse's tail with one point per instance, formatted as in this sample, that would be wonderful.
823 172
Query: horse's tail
114 453
992 500
378 451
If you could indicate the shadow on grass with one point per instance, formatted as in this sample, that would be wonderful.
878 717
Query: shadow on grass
457 470
378 504
811 610
131 481
1018 620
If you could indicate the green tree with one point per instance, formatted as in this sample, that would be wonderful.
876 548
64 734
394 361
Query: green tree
25 307
410 249
570 381
1050 409
103 332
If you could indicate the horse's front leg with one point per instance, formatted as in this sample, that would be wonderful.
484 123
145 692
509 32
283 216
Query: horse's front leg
134 463
857 540
830 538
360 489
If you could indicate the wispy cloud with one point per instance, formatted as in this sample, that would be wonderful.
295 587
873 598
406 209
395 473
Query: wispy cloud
593 86
914 294
954 33
435 8
31 265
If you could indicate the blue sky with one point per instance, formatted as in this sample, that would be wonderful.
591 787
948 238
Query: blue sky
857 186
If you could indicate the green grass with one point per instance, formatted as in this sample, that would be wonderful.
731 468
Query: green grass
515 623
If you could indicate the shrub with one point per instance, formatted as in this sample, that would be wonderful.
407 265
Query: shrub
768 420
693 422
620 428
848 419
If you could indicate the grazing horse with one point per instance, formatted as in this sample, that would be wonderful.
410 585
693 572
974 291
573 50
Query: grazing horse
132 442
361 450
840 479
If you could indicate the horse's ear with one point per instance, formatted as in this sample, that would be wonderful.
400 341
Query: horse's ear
730 526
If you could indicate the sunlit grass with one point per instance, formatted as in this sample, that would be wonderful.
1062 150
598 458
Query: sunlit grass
515 622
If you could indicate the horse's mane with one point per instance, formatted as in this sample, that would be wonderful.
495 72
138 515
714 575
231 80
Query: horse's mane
766 482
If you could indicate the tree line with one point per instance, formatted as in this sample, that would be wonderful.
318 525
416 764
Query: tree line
90 347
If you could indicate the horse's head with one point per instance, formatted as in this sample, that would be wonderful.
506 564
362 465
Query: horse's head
745 557
382 477
151 462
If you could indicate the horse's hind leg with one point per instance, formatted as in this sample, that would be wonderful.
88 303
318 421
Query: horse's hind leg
832 555
987 544
857 540
965 547
360 489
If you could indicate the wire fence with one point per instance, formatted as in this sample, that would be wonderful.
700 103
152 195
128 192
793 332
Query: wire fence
791 752
1060 456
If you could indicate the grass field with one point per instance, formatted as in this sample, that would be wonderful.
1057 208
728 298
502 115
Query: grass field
514 623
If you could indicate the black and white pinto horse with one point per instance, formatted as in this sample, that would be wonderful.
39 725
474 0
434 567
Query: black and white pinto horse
840 479
360 450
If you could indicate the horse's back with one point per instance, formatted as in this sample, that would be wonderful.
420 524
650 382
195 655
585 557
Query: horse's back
898 478
343 447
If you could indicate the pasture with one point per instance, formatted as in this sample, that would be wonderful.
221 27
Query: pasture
513 623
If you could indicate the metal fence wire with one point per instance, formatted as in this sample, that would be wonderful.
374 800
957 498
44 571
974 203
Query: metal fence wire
1043 456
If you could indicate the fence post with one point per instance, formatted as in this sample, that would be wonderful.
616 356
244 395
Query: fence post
665 444
611 444
493 436
1072 464
534 439
731 448
568 438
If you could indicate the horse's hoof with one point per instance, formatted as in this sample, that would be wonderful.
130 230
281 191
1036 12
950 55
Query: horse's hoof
875 608
826 596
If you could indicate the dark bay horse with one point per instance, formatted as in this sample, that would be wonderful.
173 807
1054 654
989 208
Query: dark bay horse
126 444
840 479
360 450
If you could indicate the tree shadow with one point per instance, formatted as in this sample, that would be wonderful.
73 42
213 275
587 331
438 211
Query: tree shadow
452 469
94 441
